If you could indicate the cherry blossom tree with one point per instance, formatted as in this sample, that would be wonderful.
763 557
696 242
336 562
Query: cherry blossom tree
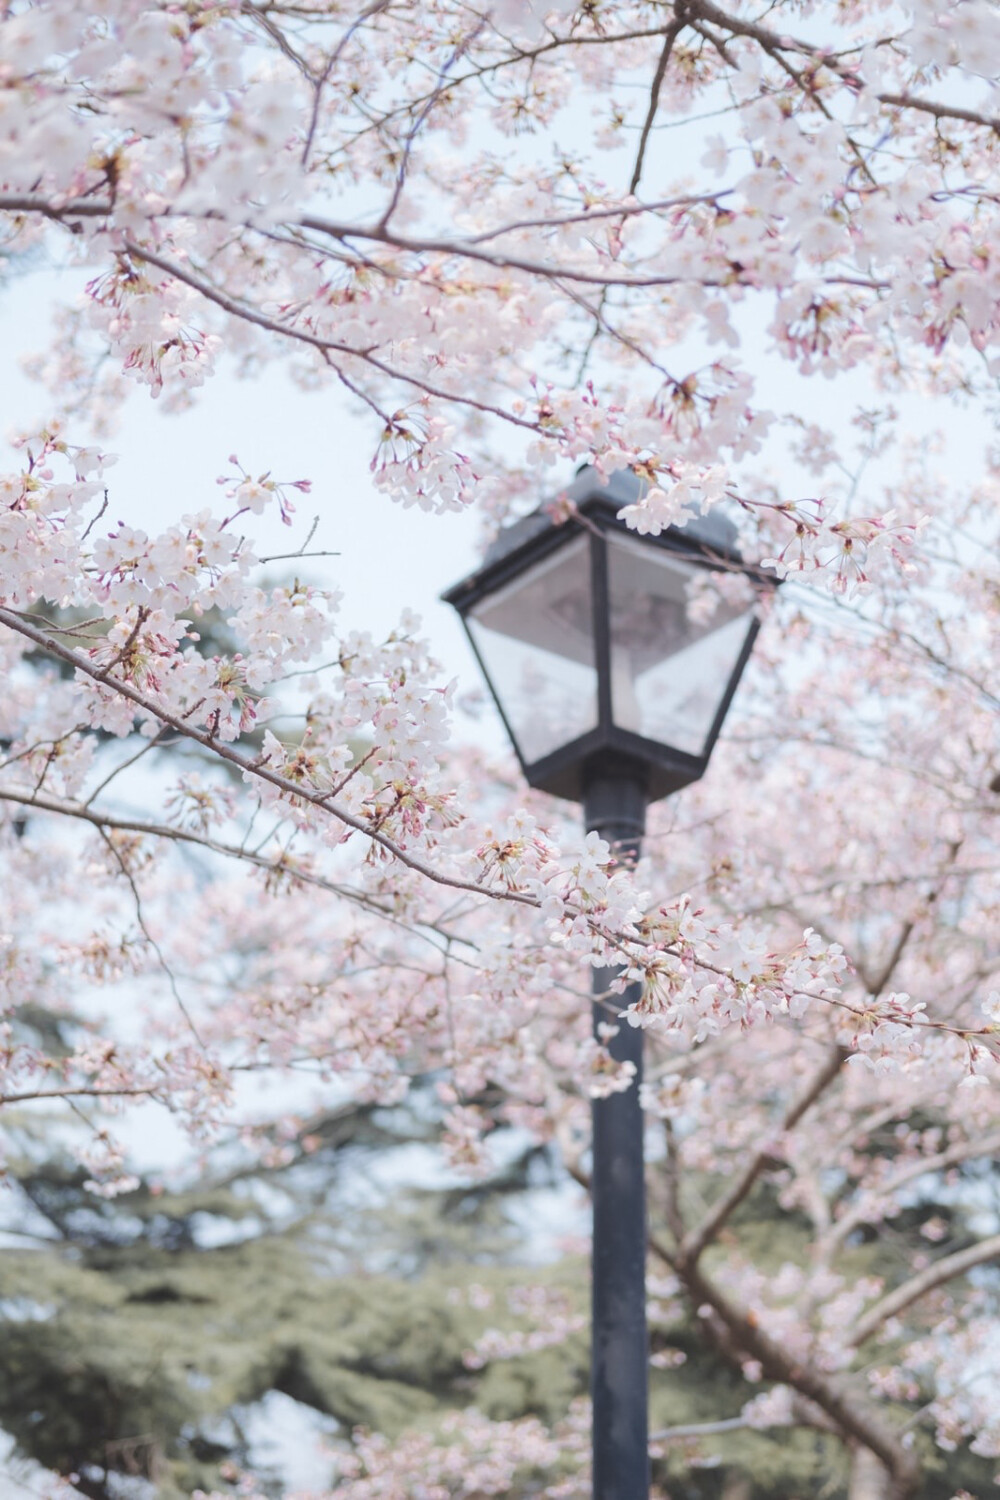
474 224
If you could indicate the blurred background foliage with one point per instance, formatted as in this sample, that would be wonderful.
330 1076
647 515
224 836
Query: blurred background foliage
144 1337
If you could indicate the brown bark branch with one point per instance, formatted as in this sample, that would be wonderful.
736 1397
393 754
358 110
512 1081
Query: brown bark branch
276 866
986 1146
670 36
695 1242
325 346
697 1430
869 1478
918 1286
854 1417
255 768
60 210
940 111
675 1215
97 208
83 1092
775 43
466 249
877 983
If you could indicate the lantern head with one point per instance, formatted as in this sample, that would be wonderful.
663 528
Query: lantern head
603 647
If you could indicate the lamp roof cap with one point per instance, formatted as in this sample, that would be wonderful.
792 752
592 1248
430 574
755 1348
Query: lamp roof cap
713 530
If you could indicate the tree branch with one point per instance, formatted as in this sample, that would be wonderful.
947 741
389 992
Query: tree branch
696 1241
941 111
986 1146
917 1286
277 866
854 1418
256 768
670 36
81 1092
697 1430
776 43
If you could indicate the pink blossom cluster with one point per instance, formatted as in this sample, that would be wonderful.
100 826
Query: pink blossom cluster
241 840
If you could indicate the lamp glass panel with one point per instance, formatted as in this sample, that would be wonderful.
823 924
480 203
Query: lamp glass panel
672 653
536 638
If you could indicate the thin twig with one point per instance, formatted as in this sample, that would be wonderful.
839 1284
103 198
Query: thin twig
157 950
670 37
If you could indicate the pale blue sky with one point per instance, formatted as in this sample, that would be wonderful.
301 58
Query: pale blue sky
390 559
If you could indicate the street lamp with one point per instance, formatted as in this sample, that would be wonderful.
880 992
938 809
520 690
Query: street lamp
613 686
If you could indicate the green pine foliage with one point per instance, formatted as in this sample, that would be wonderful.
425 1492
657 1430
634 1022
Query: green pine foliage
133 1338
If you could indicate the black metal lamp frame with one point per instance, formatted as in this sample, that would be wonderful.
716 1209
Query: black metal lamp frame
708 543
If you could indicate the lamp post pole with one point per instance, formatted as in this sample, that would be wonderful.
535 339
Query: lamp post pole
614 806
591 623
